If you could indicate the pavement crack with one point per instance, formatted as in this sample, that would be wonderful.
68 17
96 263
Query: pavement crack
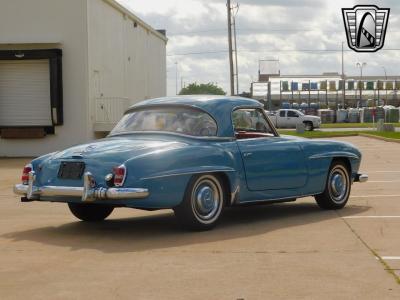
387 268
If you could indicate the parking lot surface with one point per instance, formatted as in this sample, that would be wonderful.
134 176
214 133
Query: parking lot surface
281 251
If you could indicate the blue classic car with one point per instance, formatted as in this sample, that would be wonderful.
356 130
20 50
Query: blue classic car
195 155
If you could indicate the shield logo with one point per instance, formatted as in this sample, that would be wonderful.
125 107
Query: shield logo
365 27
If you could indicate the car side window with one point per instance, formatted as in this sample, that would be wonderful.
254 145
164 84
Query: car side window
292 114
282 113
250 123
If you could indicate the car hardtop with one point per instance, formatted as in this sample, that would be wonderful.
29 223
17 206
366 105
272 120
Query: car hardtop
208 103
219 107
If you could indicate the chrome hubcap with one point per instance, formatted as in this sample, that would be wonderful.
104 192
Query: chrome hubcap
338 185
206 197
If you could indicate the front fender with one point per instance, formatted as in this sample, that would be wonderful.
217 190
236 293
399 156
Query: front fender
320 154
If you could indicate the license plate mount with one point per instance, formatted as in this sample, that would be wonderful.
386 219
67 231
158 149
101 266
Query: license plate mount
71 170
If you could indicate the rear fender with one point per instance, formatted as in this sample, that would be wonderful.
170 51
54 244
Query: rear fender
168 172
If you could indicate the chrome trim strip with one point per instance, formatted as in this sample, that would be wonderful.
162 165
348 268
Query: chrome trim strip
188 173
275 199
89 192
234 194
329 155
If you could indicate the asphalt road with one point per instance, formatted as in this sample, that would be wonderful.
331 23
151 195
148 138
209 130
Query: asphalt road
282 251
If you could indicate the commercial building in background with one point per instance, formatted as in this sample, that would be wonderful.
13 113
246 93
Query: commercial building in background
69 69
325 90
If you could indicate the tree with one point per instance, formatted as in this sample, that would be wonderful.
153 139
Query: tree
202 89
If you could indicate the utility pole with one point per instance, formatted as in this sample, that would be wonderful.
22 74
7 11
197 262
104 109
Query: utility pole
343 79
235 44
231 75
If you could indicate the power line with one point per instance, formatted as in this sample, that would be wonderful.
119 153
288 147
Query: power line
242 29
259 31
312 51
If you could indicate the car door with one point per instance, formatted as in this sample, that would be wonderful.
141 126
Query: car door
270 162
282 119
292 118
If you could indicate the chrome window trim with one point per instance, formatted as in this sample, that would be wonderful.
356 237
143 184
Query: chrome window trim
205 138
275 132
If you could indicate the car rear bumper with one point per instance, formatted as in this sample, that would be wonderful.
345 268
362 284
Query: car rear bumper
361 178
89 192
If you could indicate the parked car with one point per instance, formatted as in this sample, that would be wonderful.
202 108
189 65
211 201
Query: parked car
290 118
195 155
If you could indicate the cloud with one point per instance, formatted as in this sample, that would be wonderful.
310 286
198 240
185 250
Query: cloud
195 26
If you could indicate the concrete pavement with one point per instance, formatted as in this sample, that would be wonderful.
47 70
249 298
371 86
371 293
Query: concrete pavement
282 251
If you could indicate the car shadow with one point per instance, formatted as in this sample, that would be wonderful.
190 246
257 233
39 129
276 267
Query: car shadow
162 231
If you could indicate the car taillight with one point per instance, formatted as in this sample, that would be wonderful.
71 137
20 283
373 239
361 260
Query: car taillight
25 174
119 175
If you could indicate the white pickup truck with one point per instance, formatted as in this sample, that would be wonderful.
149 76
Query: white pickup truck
289 118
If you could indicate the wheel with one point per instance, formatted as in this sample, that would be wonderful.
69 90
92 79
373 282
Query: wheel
337 188
90 212
202 203
309 126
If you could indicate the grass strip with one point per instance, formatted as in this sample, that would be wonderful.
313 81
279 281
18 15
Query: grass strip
327 134
353 125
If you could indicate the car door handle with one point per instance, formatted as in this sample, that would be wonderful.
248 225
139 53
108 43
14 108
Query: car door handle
247 154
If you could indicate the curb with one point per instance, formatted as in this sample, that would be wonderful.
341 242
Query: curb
379 138
359 134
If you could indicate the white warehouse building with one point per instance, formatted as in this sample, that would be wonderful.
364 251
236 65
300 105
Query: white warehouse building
69 69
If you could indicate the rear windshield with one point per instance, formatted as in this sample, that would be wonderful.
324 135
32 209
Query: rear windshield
181 120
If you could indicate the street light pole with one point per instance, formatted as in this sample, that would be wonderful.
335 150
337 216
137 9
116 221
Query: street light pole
384 70
361 66
176 78
343 79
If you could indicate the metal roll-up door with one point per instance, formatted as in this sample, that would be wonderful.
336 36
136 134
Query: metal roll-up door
25 93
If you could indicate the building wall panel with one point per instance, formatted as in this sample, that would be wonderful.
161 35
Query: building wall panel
44 24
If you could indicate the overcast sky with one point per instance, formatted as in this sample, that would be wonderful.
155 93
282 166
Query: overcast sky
264 28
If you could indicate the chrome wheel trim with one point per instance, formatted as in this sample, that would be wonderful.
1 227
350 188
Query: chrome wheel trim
338 184
207 199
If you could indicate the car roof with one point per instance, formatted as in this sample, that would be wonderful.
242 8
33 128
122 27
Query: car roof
219 107
206 102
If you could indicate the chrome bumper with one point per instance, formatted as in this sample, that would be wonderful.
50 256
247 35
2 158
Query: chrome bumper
361 178
89 192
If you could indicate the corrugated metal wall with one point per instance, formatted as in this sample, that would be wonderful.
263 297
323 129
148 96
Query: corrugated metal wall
127 63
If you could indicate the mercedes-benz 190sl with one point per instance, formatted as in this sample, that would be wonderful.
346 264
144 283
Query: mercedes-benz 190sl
195 155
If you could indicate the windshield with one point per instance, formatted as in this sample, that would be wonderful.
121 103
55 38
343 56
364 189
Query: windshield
181 120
